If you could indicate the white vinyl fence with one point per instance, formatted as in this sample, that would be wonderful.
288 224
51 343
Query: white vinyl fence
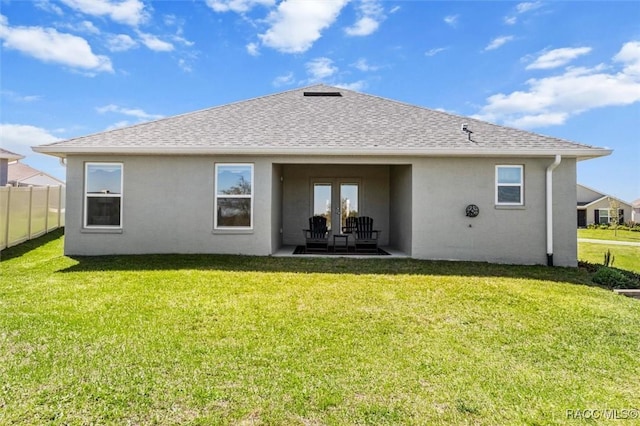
29 212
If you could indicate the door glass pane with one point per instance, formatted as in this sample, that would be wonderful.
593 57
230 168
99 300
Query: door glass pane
322 201
348 201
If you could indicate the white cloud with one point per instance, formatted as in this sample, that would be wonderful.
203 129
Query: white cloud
553 100
132 112
19 137
118 125
363 27
120 42
520 9
558 57
356 86
451 20
498 42
320 68
296 25
47 6
629 55
48 45
154 43
239 6
16 97
370 14
365 66
253 49
129 12
284 80
435 51
528 6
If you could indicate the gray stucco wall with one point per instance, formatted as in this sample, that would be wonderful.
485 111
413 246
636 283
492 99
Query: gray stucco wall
168 208
400 208
418 204
4 171
444 187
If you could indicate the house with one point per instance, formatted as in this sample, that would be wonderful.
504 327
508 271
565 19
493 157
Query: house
19 174
594 207
635 213
245 177
5 158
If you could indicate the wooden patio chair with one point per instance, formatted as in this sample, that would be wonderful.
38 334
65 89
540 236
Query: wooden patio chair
350 225
366 238
317 236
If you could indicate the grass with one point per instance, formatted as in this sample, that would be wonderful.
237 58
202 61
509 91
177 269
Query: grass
609 234
626 257
248 340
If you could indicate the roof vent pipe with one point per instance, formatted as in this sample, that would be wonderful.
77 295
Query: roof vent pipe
549 208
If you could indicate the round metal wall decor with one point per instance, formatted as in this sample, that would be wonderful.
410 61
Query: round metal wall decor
472 210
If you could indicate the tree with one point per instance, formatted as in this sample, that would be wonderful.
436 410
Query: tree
614 215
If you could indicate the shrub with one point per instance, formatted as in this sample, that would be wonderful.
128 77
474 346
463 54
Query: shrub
611 278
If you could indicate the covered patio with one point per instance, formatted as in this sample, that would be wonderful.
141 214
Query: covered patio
338 190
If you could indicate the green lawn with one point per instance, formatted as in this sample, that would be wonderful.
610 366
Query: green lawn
609 234
625 257
206 340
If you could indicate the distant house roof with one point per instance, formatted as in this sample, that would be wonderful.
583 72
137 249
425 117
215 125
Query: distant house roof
600 196
11 156
22 174
321 120
636 203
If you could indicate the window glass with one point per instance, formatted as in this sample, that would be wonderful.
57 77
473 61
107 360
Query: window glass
104 178
103 195
509 174
234 179
233 196
509 185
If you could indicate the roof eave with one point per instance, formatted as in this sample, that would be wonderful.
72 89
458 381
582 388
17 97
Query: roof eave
578 153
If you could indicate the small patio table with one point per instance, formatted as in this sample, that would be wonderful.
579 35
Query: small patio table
344 244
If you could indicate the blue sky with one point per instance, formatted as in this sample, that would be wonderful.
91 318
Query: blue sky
566 69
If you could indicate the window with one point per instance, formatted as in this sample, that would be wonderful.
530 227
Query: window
602 216
509 185
103 195
234 196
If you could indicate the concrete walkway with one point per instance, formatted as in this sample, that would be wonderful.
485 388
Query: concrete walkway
608 242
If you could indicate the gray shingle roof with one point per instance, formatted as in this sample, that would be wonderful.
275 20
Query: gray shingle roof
291 123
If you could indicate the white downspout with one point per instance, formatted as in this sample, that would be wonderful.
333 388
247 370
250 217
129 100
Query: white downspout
549 208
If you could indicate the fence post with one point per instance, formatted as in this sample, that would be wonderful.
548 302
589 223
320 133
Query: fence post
46 211
6 227
30 216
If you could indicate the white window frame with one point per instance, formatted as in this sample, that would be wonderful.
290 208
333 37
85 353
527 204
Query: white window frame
608 215
241 196
519 185
102 195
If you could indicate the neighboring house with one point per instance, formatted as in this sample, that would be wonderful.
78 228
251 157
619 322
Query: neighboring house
635 213
5 158
245 178
20 174
594 207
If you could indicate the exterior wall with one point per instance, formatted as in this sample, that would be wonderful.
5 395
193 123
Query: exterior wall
276 207
442 188
400 208
604 204
167 208
419 205
4 171
586 195
297 189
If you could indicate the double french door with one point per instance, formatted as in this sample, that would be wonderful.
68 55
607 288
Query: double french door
336 199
